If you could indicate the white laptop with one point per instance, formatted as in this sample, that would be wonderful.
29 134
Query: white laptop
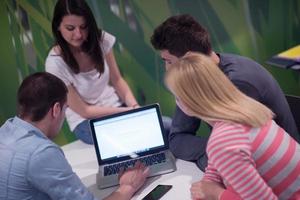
123 138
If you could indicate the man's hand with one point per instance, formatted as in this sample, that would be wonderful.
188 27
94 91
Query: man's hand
207 190
133 178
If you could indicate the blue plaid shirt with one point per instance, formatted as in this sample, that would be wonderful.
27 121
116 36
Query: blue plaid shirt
34 168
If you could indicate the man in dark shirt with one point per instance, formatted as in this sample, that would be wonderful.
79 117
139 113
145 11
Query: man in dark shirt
181 34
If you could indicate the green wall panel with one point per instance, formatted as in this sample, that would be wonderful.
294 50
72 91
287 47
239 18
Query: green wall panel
254 28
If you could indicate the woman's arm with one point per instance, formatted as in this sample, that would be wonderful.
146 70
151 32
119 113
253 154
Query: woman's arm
229 150
89 111
212 187
118 82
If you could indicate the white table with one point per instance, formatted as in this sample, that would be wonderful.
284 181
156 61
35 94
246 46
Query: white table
82 158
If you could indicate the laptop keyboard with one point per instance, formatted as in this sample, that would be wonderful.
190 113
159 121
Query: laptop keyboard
147 161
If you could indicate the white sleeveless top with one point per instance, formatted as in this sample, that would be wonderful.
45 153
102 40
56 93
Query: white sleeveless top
92 88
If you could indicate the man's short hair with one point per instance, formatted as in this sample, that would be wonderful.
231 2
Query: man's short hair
38 93
180 34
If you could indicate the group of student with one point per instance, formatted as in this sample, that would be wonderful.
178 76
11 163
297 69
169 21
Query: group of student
252 152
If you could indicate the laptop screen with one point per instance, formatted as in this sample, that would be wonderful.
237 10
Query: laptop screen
128 134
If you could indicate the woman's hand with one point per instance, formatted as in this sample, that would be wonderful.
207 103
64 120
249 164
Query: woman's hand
207 190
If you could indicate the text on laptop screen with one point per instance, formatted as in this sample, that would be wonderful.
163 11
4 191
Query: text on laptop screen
128 134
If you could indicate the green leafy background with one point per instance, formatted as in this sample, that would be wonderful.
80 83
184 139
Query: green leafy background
254 28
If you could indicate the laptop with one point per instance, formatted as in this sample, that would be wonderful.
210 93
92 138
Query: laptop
123 138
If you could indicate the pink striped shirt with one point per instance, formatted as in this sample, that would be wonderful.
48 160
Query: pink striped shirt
256 163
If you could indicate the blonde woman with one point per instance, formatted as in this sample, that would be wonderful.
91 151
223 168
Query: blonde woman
249 155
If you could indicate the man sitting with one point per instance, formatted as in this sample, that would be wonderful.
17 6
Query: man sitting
31 165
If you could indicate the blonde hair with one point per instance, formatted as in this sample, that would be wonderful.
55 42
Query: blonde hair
208 94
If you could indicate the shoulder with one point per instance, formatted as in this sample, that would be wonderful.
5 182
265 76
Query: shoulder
54 51
108 37
47 147
44 150
239 67
43 143
225 132
242 68
248 75
230 138
55 64
33 146
233 59
54 58
108 40
226 126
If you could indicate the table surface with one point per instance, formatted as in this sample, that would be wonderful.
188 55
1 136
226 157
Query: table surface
82 158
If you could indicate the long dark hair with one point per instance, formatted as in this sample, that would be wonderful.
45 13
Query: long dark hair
90 46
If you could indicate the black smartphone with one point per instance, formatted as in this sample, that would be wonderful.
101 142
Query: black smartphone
157 192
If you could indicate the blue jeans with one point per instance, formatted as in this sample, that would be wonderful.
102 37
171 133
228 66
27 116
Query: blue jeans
83 131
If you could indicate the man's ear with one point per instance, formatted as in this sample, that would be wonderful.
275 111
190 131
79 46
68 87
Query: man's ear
56 110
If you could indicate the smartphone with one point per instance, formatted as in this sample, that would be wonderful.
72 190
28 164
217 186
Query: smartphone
157 192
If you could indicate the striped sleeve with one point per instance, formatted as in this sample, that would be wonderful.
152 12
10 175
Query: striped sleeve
211 174
229 150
